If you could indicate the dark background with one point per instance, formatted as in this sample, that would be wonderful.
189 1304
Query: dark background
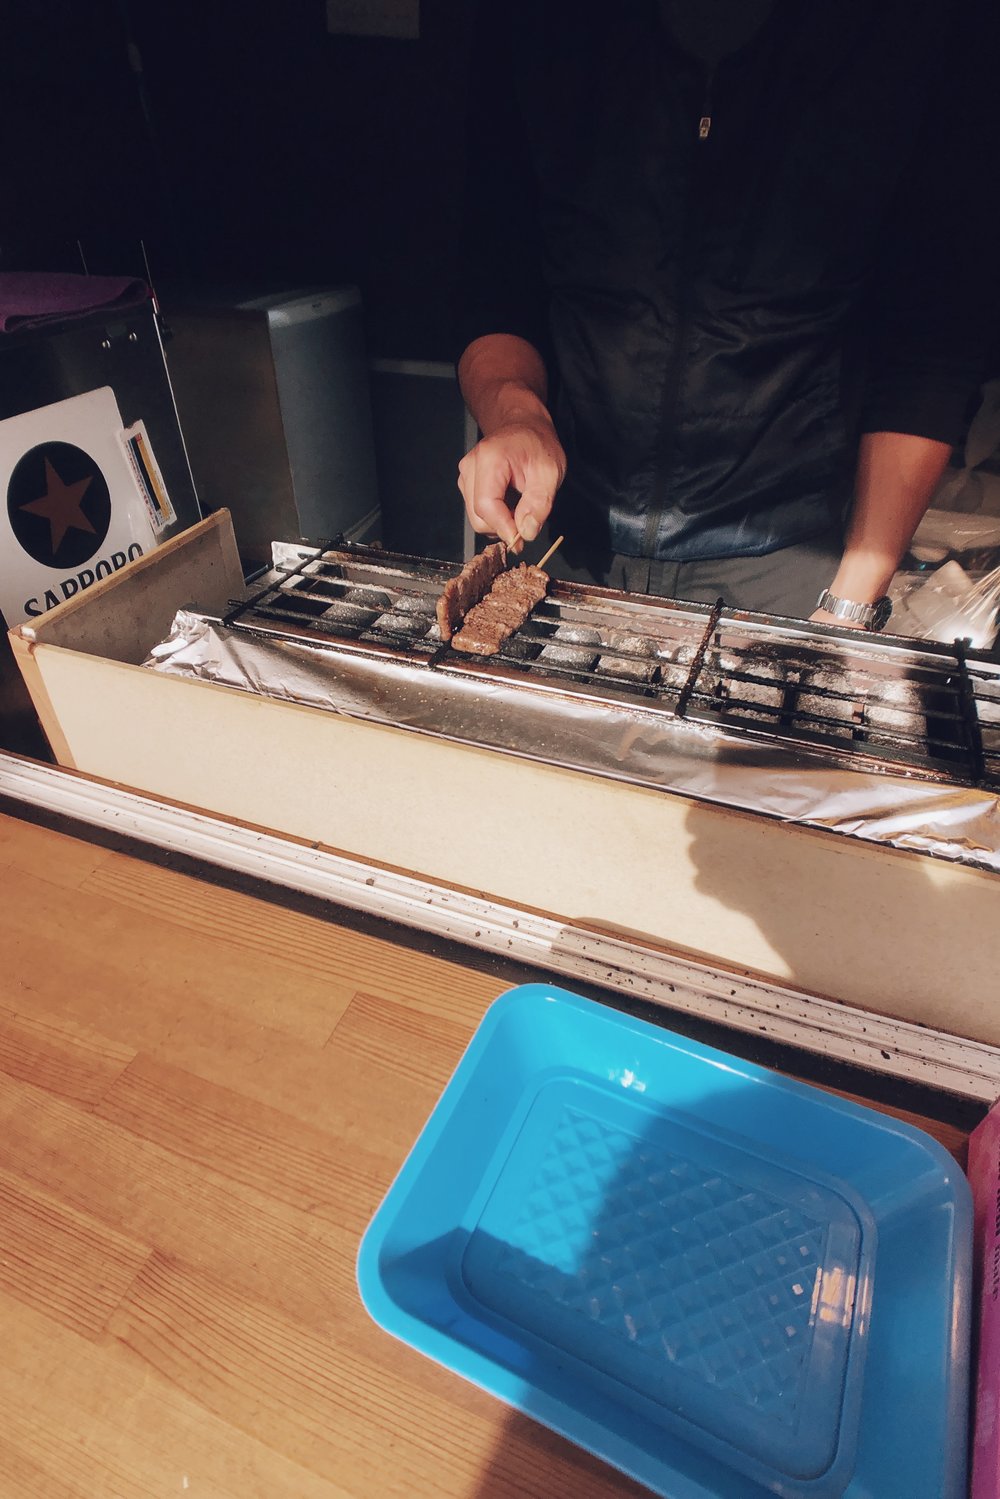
253 149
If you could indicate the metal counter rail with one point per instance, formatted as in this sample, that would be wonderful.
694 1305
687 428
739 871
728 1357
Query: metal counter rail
894 1048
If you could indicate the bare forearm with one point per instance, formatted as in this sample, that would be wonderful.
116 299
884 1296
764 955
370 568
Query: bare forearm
897 474
503 380
519 461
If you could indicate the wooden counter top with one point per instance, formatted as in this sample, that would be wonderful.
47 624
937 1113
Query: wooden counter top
203 1098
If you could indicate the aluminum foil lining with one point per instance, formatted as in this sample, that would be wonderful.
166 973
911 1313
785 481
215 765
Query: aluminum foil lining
653 749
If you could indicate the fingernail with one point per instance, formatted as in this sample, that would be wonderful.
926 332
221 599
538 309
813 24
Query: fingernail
528 528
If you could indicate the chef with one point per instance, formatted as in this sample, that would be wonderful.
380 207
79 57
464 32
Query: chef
732 271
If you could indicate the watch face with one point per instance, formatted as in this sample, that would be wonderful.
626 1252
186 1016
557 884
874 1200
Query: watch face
880 618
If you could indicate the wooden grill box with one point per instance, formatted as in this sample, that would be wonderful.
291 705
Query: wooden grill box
895 932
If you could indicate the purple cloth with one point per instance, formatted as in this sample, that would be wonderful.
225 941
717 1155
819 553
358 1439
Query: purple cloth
31 297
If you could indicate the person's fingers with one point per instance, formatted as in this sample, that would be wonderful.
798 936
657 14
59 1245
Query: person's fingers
467 486
490 482
538 491
489 499
535 504
496 467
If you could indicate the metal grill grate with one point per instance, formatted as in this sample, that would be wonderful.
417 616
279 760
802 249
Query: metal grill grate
885 703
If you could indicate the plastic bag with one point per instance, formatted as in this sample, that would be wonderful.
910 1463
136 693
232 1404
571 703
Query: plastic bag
947 605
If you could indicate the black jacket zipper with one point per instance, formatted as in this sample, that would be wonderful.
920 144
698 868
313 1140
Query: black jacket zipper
705 123
685 268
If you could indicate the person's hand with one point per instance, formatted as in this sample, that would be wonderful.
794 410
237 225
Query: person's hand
522 455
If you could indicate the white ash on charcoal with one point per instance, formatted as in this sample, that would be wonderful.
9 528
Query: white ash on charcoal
763 698
573 634
628 668
674 658
989 713
674 674
630 644
834 717
395 622
344 616
637 656
744 710
842 701
369 598
558 653
904 707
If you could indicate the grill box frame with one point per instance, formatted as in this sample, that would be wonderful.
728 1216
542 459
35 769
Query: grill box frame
891 931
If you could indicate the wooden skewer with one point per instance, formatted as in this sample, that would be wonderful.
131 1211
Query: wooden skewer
553 548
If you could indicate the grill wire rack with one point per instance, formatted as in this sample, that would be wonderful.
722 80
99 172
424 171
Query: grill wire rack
880 702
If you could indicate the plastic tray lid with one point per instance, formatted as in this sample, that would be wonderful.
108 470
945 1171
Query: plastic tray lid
707 1277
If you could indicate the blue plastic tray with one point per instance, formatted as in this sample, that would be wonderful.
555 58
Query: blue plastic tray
723 1282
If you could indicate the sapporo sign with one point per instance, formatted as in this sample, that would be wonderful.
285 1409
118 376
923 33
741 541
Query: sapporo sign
72 510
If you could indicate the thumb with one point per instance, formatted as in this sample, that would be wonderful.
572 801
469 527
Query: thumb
533 510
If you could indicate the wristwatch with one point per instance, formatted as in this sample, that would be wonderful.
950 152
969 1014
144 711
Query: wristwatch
871 616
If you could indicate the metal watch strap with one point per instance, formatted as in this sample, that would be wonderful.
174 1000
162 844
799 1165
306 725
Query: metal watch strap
872 616
858 614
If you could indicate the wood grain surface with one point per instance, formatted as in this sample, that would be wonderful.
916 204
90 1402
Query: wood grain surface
203 1098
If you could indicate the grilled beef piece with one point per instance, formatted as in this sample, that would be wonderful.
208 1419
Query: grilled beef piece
485 629
502 611
466 589
481 637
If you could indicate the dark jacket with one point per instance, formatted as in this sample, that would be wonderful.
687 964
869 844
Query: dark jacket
724 315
